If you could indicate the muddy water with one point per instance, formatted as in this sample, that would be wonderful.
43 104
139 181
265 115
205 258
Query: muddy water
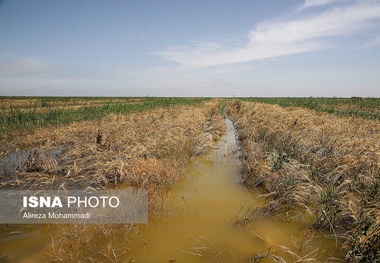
23 243
199 221
16 160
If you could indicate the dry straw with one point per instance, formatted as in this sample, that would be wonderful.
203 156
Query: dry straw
327 165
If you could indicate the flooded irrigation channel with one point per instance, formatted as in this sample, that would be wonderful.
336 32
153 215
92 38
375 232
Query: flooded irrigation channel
202 220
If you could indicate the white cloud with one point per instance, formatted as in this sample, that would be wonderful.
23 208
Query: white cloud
318 3
280 38
20 66
332 23
373 42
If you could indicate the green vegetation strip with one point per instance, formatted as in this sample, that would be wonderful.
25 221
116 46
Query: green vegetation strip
15 118
368 108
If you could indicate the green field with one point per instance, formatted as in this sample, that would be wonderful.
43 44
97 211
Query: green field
26 113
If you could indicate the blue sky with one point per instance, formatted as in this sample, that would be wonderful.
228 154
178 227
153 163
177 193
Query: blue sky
190 48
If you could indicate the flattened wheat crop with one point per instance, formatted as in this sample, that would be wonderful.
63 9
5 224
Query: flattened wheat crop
325 165
145 149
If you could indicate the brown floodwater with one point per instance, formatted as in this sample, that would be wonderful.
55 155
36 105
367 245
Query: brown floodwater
198 222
